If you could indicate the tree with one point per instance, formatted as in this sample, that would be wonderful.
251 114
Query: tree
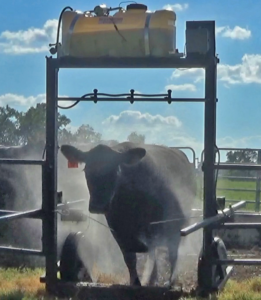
134 137
9 124
242 157
20 128
32 124
86 134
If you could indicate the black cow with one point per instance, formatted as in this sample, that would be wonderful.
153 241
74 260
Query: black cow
10 175
134 186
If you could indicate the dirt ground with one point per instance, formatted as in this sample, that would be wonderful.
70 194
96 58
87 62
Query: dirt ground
187 274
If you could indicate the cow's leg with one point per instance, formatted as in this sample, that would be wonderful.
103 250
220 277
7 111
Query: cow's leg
150 268
173 247
131 263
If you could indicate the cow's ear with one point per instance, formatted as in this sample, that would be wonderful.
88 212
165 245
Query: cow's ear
133 156
73 154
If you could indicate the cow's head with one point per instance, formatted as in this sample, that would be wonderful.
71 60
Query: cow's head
101 171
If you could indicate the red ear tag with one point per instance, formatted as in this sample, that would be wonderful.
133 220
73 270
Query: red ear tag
72 165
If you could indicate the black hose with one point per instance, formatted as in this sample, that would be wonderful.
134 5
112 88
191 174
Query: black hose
54 50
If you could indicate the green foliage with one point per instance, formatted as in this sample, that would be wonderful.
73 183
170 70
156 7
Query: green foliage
9 123
20 128
242 157
134 137
86 134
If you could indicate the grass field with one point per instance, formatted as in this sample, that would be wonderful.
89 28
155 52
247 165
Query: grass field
25 284
224 183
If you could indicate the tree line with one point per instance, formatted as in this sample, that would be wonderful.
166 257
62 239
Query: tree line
20 128
29 127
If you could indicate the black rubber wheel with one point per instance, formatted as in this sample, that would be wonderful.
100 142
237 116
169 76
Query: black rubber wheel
219 251
71 265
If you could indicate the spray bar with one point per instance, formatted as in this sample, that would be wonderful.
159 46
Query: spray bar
220 217
24 214
34 214
21 251
132 100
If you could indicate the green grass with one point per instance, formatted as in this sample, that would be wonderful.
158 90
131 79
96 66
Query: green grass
234 195
25 285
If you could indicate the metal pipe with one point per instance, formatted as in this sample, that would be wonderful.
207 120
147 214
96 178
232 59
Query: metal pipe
238 178
238 167
72 203
49 204
231 189
21 251
188 148
208 221
229 271
239 225
258 186
135 99
232 149
238 262
11 214
234 200
9 161
209 204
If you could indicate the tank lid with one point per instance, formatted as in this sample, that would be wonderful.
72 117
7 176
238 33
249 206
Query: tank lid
137 6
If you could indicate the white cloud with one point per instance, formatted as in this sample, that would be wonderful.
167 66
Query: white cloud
243 142
181 87
176 7
20 100
237 33
127 117
195 75
14 100
158 129
248 71
32 40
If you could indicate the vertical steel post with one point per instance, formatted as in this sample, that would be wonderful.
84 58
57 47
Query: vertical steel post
258 185
50 177
210 207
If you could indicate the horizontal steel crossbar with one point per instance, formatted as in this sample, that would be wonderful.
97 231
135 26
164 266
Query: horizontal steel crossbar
231 189
238 262
21 251
237 167
240 225
10 161
209 221
131 62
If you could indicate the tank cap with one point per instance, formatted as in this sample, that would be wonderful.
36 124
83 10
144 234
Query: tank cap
137 6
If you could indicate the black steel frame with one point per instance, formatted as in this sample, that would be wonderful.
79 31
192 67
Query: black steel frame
208 62
48 212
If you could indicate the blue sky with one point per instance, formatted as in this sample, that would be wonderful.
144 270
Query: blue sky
28 27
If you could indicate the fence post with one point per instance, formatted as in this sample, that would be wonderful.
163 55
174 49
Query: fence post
258 181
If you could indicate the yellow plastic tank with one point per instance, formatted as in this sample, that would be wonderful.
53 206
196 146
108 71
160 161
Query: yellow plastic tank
133 32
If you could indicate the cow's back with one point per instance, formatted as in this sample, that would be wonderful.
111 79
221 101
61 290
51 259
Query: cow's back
163 179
